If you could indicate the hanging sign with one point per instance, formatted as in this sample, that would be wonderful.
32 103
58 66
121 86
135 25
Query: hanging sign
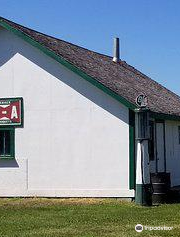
142 100
11 111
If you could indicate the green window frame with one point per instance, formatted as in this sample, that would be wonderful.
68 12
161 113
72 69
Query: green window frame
7 144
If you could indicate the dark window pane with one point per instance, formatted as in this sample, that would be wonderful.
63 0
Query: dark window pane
7 142
1 143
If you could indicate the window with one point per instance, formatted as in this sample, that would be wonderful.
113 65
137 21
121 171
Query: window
151 140
142 121
179 133
6 143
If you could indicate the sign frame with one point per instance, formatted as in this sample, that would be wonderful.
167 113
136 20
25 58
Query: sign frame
11 124
142 100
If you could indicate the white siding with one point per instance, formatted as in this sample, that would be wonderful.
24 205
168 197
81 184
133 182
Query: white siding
173 151
75 140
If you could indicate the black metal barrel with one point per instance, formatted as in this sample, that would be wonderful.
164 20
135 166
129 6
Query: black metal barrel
160 184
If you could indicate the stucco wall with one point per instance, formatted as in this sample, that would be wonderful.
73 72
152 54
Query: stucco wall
75 140
173 151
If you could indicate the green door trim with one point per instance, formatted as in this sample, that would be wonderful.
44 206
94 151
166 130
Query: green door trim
131 149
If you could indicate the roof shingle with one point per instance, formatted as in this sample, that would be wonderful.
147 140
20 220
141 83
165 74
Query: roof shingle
121 78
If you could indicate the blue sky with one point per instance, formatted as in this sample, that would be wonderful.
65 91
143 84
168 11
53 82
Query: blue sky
149 30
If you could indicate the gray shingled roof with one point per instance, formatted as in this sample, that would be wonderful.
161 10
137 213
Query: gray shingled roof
121 78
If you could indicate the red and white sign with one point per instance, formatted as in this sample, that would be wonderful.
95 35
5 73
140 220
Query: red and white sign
11 111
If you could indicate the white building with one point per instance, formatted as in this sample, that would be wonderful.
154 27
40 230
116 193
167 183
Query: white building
67 120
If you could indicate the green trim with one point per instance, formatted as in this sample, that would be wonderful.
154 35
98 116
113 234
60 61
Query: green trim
67 64
7 158
143 194
138 194
160 116
131 149
12 142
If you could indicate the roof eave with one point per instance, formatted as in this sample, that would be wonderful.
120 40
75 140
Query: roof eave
162 116
67 64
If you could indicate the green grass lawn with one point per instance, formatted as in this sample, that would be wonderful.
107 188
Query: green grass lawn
83 217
